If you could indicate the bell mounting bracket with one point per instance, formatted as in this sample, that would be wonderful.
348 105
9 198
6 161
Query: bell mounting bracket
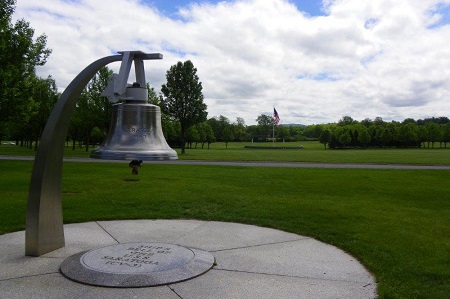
117 85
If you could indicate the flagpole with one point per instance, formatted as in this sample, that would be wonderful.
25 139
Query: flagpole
273 134
276 119
273 130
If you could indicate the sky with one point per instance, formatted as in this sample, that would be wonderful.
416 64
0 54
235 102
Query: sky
314 61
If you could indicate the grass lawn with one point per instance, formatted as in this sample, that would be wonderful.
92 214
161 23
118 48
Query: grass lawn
313 151
396 222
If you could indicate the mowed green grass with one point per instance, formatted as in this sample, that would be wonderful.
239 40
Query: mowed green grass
396 222
313 151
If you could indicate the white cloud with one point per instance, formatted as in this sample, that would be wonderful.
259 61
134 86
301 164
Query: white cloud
364 58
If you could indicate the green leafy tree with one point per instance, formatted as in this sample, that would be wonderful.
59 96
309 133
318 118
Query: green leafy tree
345 139
92 110
171 130
421 135
283 133
215 126
407 134
364 136
183 98
265 125
346 120
434 133
312 132
19 56
223 123
387 136
218 124
446 134
97 135
201 132
253 133
367 122
325 137
210 138
375 133
378 121
192 135
297 132
227 135
240 132
44 95
205 133
101 105
152 96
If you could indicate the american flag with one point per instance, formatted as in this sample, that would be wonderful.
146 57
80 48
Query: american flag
276 117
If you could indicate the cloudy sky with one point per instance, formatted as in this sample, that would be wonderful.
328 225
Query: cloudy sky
314 61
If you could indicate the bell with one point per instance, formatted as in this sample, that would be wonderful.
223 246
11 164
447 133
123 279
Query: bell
135 130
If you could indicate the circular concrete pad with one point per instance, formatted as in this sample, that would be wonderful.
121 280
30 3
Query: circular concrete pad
137 265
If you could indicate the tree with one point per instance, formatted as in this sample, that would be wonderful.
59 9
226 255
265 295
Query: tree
378 121
407 134
215 126
283 133
218 124
227 135
183 98
386 136
202 132
367 122
152 96
192 135
374 132
223 123
312 130
101 105
346 120
19 55
345 139
171 130
434 133
210 138
92 110
44 95
265 125
363 136
240 133
325 137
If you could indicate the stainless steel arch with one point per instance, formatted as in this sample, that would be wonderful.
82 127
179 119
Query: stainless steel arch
44 220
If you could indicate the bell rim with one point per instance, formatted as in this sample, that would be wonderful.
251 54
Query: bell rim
129 155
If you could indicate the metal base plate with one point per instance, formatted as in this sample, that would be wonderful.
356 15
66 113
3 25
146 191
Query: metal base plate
131 265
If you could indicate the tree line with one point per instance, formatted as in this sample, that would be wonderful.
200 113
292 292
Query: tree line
410 133
346 133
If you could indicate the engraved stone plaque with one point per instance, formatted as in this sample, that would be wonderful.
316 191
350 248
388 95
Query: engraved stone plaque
137 265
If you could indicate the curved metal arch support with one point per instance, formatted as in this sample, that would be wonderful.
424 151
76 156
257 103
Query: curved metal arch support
44 220
44 223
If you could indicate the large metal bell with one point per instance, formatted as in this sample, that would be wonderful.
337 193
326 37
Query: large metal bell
135 132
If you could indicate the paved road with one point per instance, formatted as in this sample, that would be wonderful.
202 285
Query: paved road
256 164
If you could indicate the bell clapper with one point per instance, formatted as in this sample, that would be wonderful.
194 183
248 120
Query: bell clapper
135 165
